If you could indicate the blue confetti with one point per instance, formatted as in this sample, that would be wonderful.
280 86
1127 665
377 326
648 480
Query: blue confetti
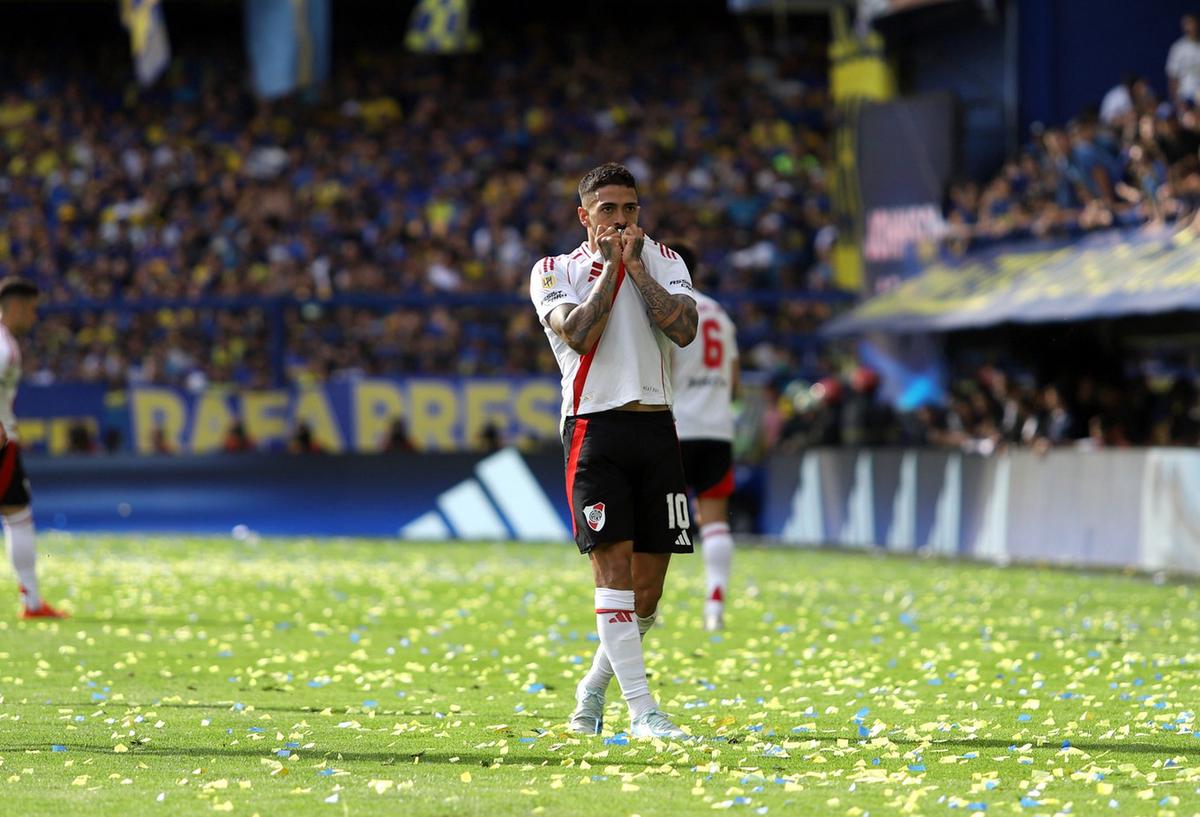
1023 717
325 772
619 739
916 767
537 687
58 747
1029 802
283 753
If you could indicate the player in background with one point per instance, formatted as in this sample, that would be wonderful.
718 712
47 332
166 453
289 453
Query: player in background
704 376
18 313
612 309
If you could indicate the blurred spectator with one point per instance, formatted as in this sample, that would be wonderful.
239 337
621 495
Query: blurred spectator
490 438
866 420
398 439
1183 61
236 440
303 441
159 443
112 440
80 439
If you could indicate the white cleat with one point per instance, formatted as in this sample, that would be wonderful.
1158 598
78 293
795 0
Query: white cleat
588 717
654 724
714 623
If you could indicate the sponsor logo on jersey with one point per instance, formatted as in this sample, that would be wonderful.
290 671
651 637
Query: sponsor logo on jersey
682 283
594 514
551 297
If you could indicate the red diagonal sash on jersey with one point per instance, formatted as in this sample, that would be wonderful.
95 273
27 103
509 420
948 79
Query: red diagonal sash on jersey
585 362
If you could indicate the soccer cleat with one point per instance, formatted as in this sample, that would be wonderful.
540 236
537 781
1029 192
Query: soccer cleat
654 724
43 610
714 622
588 717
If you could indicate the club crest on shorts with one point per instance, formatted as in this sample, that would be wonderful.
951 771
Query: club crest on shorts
594 514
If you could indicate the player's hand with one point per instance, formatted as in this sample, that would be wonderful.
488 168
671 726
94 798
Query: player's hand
632 241
3 435
609 242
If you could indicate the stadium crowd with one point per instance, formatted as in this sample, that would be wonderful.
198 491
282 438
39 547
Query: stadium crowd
986 411
1129 161
417 179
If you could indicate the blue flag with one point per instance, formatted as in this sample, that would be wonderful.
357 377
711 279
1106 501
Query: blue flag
287 42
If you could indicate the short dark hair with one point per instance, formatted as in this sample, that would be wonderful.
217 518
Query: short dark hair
687 255
16 287
603 176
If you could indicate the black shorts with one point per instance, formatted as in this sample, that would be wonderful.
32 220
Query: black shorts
625 481
14 485
708 466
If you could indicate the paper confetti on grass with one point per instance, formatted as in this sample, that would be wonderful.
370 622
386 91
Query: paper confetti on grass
844 685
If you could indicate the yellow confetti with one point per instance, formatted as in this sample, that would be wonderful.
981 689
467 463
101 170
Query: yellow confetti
380 786
465 777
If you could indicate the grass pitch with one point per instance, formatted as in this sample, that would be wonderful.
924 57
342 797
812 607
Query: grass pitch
358 677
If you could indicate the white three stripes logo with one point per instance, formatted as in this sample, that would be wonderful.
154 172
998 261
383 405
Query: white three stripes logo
466 511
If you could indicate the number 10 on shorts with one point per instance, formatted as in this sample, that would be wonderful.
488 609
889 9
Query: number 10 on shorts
677 512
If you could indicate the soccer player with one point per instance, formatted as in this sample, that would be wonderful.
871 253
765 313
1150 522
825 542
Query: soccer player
704 377
612 308
18 313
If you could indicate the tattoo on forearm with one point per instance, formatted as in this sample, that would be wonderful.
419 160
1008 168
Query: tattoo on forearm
585 322
675 315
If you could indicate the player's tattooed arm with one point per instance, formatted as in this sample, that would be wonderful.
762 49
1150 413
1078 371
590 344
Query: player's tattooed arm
580 326
675 315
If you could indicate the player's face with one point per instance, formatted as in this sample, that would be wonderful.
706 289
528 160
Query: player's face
610 206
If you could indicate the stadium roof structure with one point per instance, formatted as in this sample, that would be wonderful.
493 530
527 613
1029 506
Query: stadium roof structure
1112 274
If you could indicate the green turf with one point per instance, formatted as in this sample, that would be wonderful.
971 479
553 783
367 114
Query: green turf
435 680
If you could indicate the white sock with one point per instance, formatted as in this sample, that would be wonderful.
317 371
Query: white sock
601 673
717 546
22 550
617 625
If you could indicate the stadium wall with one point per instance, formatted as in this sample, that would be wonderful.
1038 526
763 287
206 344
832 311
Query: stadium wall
1130 508
506 495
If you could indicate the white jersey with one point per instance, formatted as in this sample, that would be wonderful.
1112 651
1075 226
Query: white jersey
10 378
1183 65
631 362
702 373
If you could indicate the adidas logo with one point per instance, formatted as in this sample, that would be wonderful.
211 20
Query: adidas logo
683 540
503 500
622 616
